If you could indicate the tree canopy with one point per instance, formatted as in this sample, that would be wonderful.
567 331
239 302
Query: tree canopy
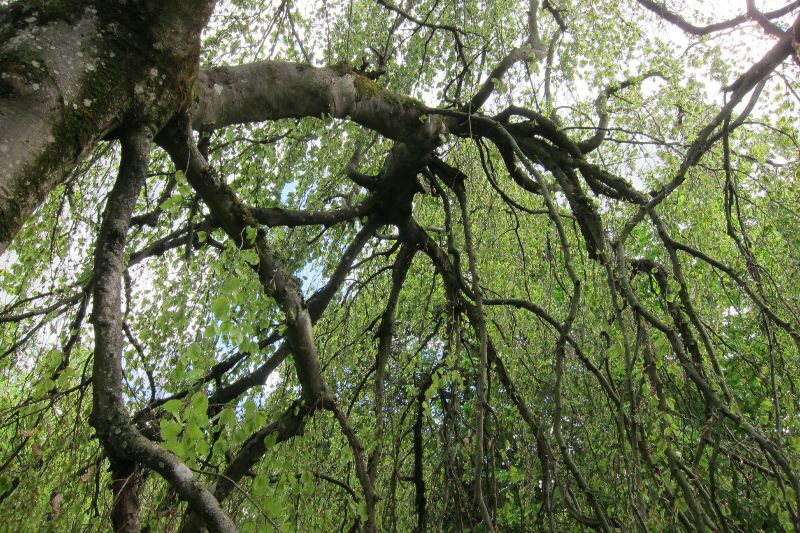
274 265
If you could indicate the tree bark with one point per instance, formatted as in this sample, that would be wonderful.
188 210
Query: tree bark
71 77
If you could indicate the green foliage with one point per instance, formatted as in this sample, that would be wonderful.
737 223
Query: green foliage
633 416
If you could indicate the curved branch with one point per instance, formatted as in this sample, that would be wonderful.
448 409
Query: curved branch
688 27
124 445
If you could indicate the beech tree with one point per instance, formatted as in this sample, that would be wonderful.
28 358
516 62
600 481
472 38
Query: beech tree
476 266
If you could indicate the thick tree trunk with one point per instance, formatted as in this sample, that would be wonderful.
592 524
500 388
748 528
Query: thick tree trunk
71 72
49 114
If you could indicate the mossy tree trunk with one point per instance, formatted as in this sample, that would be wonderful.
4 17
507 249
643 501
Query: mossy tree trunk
77 71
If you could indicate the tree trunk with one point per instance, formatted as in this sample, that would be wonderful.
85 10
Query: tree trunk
71 72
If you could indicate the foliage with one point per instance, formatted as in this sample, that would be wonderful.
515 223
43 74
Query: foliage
646 380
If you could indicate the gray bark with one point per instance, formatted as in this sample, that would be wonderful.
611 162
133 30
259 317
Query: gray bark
68 81
270 90
43 72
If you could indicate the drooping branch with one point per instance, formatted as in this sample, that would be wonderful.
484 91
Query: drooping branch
317 304
601 105
124 445
707 391
288 425
481 403
235 217
357 449
543 450
676 19
385 334
455 31
740 88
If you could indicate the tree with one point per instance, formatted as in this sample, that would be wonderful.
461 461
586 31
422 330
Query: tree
377 266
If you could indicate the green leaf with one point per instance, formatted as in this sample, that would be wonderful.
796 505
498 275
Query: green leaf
270 440
170 430
232 284
194 433
250 257
53 358
220 447
198 412
177 372
220 307
194 351
250 234
260 485
227 417
363 511
272 506
199 401
5 484
173 406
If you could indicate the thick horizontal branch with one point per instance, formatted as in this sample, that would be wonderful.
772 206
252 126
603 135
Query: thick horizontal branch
271 90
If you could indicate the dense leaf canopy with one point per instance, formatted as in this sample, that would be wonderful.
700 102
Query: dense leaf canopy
506 265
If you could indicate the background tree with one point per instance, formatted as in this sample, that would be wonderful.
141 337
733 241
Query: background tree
497 266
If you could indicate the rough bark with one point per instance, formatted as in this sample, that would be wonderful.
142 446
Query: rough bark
72 73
